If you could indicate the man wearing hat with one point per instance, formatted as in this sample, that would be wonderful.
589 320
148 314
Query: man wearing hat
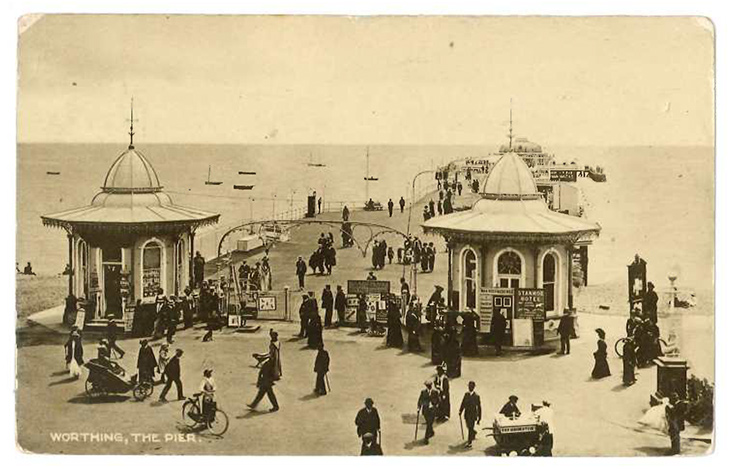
428 402
497 330
471 407
441 383
649 303
172 372
301 272
321 367
265 383
146 362
413 324
367 420
172 318
370 447
544 415
304 316
510 409
565 330
111 337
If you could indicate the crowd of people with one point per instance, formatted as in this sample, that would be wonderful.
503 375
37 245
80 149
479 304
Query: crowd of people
415 251
256 278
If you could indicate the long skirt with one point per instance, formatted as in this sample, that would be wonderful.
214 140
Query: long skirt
600 369
629 376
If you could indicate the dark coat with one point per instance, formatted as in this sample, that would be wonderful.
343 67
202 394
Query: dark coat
322 362
373 449
367 422
471 406
78 350
565 328
146 359
510 409
327 299
499 325
301 267
340 302
266 375
428 399
172 370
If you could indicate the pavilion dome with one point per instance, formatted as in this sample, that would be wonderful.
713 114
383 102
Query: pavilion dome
521 145
131 172
510 178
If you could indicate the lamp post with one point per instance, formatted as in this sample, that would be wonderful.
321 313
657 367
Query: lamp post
675 321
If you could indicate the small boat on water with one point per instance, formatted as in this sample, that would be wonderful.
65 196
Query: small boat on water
247 173
212 183
53 173
242 187
315 165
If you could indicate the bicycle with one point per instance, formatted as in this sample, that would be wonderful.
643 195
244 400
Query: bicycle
193 416
619 346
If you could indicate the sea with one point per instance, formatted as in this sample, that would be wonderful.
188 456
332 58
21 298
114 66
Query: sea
657 201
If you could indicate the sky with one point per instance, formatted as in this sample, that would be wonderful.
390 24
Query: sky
378 80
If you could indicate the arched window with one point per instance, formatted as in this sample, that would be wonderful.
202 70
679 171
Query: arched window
549 276
469 279
509 270
151 269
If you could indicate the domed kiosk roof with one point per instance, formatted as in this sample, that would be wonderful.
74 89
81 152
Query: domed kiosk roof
511 208
132 199
131 172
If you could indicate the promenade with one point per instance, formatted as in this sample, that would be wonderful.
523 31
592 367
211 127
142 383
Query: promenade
591 417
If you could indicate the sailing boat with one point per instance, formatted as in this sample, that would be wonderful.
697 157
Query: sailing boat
313 164
368 177
212 183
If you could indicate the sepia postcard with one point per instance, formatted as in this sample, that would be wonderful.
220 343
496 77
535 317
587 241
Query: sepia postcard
400 236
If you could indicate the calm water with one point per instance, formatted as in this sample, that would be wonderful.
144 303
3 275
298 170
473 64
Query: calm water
658 201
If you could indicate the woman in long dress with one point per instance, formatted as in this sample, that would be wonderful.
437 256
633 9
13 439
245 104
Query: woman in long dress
74 354
275 355
600 369
629 361
395 337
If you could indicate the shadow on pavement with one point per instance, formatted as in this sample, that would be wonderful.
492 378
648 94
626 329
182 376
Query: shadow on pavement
458 449
652 450
109 399
70 379
414 444
309 397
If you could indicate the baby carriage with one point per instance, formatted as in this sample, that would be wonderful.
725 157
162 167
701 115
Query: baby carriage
108 378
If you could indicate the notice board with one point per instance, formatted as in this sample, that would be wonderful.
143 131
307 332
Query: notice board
491 299
356 287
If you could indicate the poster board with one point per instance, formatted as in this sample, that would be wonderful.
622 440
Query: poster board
351 308
234 320
267 303
530 304
522 333
563 175
356 287
128 318
491 298
372 300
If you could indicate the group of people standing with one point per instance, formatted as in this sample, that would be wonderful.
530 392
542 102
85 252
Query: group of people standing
256 278
418 252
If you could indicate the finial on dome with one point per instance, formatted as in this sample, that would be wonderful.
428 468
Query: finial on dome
510 124
131 125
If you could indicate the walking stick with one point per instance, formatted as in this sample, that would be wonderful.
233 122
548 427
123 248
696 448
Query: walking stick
418 415
461 426
327 380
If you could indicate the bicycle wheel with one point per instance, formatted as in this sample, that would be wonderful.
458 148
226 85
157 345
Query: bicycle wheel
190 414
142 391
619 347
219 423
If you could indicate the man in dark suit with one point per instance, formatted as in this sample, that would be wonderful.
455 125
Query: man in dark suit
265 383
428 402
471 407
497 329
321 367
301 272
328 303
565 330
304 316
367 419
172 372
402 203
390 207
340 305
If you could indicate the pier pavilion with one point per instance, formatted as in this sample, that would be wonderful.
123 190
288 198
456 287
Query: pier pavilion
511 252
130 243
